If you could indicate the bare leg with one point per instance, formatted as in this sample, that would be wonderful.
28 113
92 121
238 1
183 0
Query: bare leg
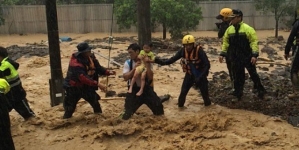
143 75
136 75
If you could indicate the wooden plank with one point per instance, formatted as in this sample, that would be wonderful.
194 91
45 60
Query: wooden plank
113 98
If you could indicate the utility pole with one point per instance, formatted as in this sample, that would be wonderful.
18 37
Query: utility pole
56 89
144 21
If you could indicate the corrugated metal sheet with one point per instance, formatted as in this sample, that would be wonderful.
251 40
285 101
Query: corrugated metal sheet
97 18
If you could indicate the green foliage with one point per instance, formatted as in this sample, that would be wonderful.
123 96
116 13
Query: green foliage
2 20
29 2
125 12
278 7
8 2
292 14
84 1
176 16
3 3
42 2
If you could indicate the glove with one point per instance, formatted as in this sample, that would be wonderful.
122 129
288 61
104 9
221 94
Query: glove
110 72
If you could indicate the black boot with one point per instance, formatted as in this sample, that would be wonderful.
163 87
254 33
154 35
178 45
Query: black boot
207 103
97 110
165 98
67 115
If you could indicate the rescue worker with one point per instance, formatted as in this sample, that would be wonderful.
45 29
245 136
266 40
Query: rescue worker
195 64
81 80
6 141
294 34
222 26
17 95
225 23
149 96
240 40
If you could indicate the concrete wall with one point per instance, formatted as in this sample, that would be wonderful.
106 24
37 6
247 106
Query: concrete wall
97 18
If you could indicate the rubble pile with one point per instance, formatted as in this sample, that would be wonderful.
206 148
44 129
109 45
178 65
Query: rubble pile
278 86
15 52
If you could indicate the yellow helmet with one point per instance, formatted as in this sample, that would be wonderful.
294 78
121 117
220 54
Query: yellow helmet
225 13
188 39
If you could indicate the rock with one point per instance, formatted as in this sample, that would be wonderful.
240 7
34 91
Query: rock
279 72
276 103
212 51
264 76
15 51
269 50
110 93
264 68
280 38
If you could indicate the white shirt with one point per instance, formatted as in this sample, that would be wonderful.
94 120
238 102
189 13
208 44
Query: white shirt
127 69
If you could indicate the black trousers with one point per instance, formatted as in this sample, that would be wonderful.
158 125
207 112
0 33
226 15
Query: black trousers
229 68
149 97
295 69
74 94
17 100
238 67
188 82
6 141
250 71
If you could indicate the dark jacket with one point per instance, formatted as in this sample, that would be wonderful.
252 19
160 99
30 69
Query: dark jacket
241 42
294 35
204 64
77 74
222 28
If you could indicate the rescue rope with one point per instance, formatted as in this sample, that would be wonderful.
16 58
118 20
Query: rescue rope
110 46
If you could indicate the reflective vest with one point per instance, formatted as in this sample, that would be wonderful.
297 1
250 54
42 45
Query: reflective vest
4 86
13 78
190 58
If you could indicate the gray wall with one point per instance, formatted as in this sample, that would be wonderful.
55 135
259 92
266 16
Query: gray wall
97 18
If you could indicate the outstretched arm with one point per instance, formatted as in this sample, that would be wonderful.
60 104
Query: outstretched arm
100 69
171 60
